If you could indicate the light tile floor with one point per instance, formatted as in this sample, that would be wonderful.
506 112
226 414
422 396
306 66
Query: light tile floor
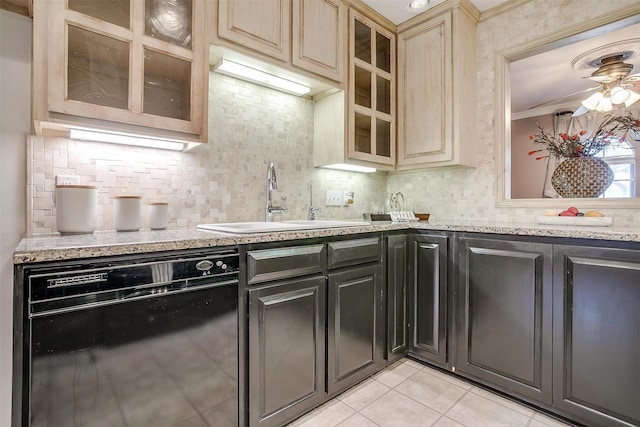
409 394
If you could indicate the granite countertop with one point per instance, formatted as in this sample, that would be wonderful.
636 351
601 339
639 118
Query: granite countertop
63 247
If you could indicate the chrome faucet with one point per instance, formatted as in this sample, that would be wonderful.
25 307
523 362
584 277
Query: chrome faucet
312 210
272 184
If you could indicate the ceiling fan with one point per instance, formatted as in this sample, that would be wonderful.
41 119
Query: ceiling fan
618 86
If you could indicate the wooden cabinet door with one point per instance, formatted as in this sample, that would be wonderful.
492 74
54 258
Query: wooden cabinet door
425 93
354 327
397 297
319 37
261 25
98 61
286 350
372 92
428 298
596 307
437 91
504 315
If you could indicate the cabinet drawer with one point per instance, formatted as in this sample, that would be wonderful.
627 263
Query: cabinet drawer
353 252
272 264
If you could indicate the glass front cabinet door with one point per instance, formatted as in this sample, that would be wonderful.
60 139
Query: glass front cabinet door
138 63
372 92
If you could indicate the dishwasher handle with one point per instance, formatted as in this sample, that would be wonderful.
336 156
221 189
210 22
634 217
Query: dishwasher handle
120 296
86 279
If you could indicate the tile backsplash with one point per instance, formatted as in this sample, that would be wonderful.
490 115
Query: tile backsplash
224 180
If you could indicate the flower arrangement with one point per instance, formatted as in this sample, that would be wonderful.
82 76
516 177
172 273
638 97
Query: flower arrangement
611 131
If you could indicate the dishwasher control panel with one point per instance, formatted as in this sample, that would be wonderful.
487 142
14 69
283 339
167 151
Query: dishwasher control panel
181 271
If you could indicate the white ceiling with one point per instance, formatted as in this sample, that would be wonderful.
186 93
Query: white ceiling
535 80
544 80
396 10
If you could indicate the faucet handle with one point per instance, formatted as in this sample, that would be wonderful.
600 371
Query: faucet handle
312 212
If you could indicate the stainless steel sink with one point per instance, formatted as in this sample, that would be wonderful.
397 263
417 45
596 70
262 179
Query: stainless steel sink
267 227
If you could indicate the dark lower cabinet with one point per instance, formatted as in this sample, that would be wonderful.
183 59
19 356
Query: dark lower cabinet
504 318
355 326
553 324
286 350
428 278
397 296
597 335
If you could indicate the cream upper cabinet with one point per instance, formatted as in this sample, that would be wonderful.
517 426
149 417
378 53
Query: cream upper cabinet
372 97
122 65
302 36
357 126
437 90
319 30
261 25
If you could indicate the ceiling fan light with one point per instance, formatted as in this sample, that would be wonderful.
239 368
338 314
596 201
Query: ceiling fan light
604 105
619 95
592 102
633 98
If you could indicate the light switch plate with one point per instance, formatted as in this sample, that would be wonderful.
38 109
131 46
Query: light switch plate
67 180
334 198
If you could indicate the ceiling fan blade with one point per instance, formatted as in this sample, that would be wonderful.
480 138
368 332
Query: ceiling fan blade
600 79
565 96
580 111
631 84
632 78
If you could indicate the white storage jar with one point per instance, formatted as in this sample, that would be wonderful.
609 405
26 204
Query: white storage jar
76 208
127 213
158 215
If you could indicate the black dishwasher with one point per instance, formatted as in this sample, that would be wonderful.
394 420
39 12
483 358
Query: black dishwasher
135 341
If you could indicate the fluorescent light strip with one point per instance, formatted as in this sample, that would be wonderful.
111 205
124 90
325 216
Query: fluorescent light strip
252 75
350 168
125 139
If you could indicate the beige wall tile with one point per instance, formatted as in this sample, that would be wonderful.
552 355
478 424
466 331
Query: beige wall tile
223 180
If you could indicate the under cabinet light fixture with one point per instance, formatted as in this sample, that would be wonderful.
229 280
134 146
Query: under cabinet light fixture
350 168
125 139
243 72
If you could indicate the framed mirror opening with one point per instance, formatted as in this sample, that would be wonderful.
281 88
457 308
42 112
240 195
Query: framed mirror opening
524 105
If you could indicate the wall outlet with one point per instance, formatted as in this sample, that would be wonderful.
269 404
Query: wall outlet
334 198
67 180
348 198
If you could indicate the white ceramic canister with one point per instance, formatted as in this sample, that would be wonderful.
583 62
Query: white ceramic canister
76 208
158 215
127 212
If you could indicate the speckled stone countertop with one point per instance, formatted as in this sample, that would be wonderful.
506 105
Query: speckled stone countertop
64 247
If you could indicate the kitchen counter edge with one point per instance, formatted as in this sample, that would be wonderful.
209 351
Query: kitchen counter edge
58 247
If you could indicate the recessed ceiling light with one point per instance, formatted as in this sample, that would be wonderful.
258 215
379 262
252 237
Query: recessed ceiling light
417 6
